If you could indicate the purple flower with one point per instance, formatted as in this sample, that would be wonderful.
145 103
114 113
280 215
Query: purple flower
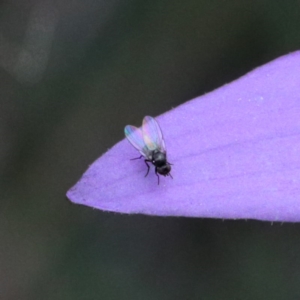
235 154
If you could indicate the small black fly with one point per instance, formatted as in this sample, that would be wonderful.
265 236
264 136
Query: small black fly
150 143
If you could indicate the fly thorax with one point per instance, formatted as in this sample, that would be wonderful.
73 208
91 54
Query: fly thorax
158 158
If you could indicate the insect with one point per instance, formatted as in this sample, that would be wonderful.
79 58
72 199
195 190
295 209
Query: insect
150 143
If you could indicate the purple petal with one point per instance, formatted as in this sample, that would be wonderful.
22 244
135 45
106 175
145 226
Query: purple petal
235 154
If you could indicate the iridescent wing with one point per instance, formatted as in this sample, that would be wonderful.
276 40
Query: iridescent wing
135 137
152 134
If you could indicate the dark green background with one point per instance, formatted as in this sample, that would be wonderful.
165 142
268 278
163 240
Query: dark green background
107 64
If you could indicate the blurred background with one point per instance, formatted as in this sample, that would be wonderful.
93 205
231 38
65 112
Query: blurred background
73 73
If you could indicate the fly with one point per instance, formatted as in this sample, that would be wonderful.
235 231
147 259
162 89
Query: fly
150 143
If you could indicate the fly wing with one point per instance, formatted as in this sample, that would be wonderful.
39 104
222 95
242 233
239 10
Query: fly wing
135 137
152 134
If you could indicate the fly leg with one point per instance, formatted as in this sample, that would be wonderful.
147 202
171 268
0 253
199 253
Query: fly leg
137 158
157 175
146 162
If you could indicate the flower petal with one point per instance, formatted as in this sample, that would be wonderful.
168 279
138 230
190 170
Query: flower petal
235 154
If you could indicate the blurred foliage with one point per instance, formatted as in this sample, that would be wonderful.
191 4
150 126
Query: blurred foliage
73 73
